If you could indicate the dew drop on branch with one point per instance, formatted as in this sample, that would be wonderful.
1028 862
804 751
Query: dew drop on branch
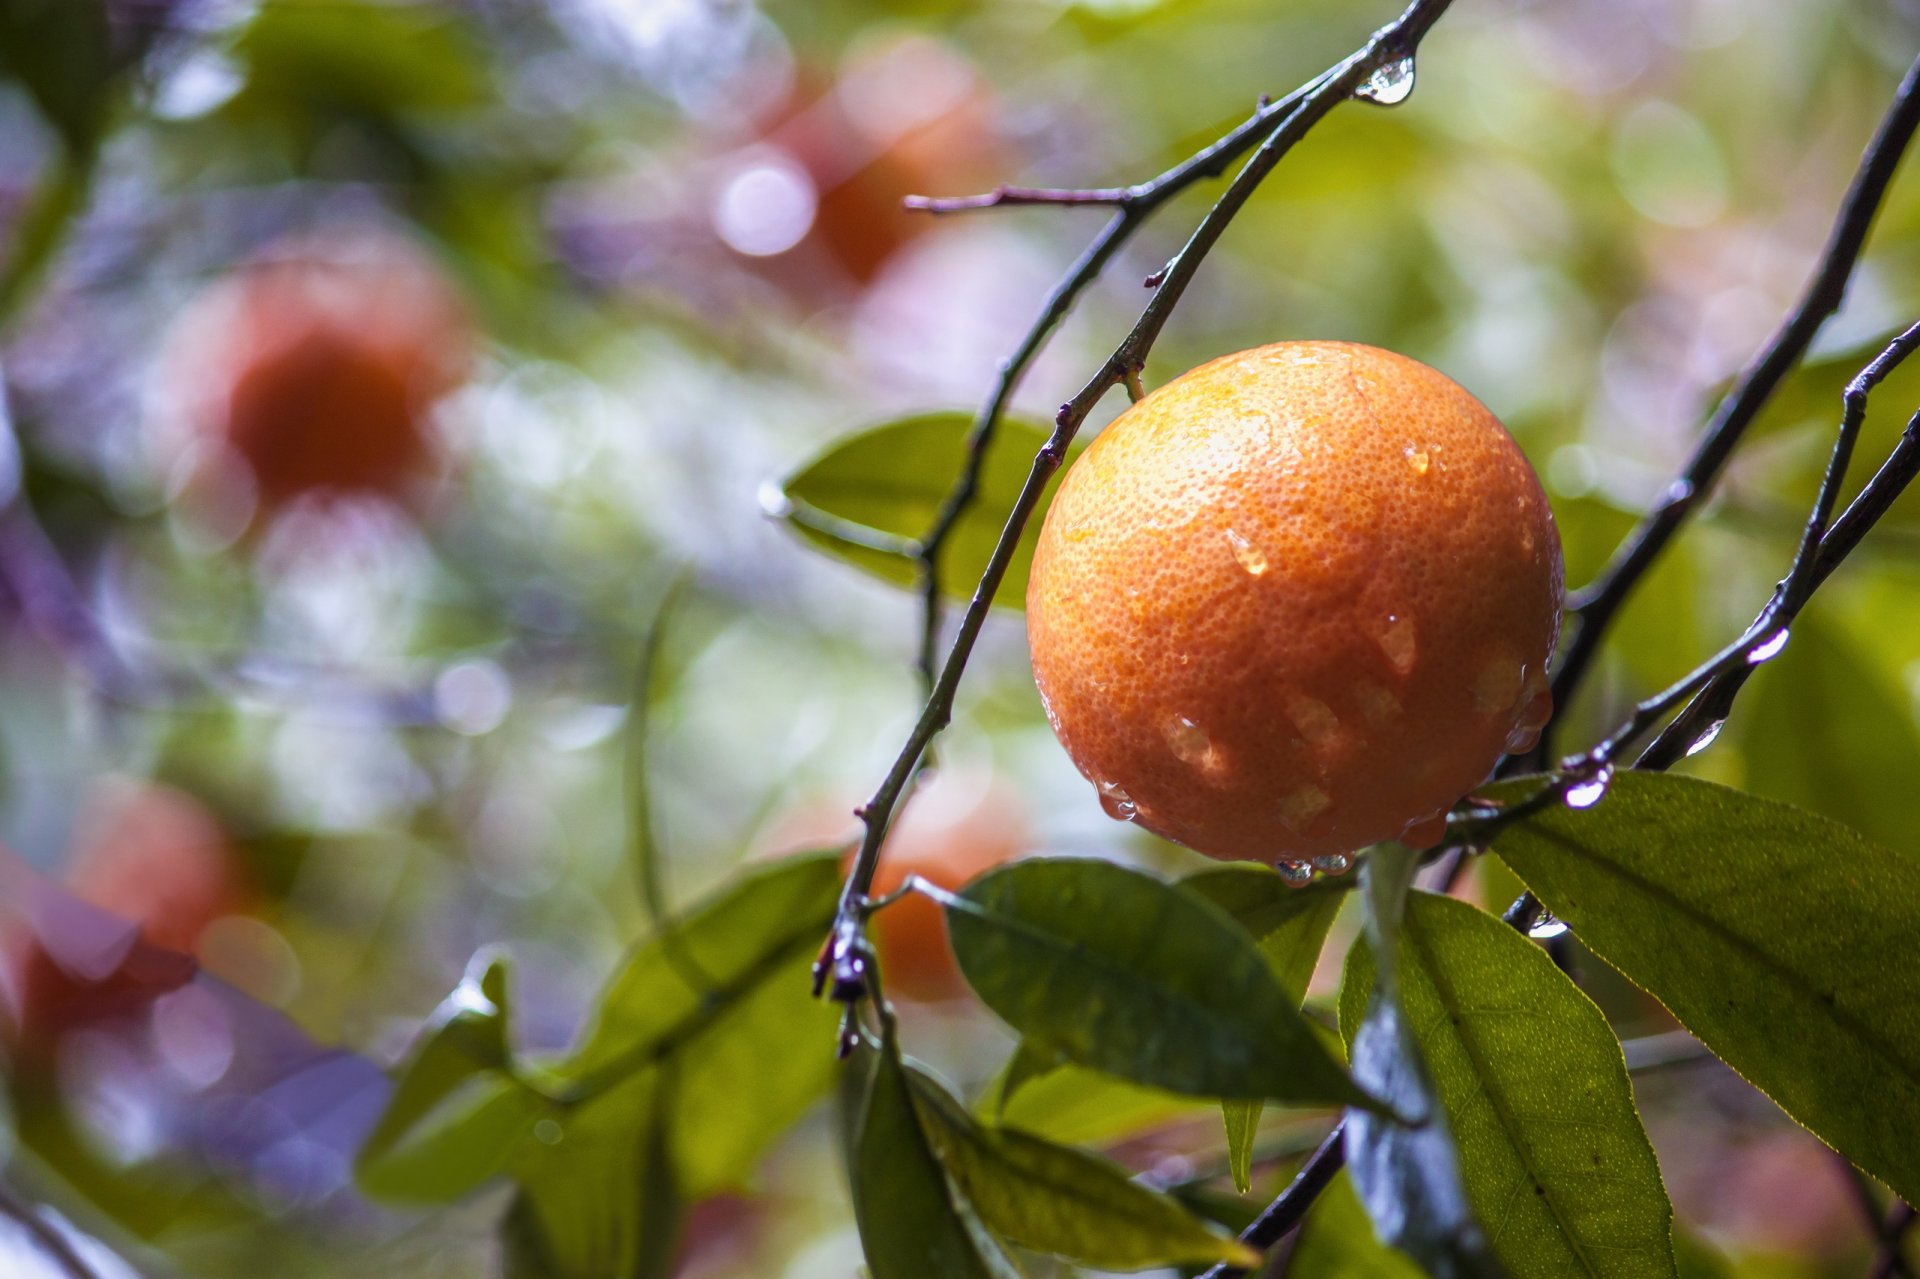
1769 648
1389 86
1591 791
1706 737
1547 928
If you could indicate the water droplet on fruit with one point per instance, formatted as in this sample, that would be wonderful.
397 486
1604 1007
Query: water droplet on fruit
1497 687
1294 874
1389 86
1397 640
1189 741
1118 804
1706 737
1314 718
1251 557
1418 460
1547 928
1333 864
1424 832
1376 703
1768 648
1591 791
1298 810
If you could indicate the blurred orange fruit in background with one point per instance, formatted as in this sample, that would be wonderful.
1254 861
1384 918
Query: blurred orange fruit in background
1295 602
314 369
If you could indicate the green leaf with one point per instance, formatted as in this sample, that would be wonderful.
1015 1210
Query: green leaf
1242 1120
1404 1166
871 496
911 1224
62 54
1823 729
748 1077
1078 1106
1775 936
1536 1093
1117 970
328 58
674 984
457 1114
1337 1241
600 1199
1290 926
1058 1200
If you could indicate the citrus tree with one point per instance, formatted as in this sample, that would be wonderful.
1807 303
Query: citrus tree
1530 801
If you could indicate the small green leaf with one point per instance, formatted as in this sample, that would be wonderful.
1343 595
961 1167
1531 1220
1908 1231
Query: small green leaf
871 496
457 1114
1775 936
1117 970
1536 1093
1290 926
1078 1106
1242 1120
911 1224
674 984
1062 1201
1337 1241
600 1198
1404 1166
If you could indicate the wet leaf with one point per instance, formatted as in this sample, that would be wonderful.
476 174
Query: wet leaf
1117 970
1535 1089
1058 1200
883 487
1772 934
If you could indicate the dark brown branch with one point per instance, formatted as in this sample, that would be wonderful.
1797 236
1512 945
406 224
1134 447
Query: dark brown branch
1594 608
842 965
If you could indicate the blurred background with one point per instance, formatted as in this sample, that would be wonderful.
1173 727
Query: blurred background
295 718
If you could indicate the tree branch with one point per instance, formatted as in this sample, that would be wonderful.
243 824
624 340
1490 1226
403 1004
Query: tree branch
1595 607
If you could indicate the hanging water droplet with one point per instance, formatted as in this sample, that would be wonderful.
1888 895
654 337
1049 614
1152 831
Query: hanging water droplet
1706 737
1389 86
1768 648
1591 791
1333 864
1118 804
1547 928
1294 874
1251 557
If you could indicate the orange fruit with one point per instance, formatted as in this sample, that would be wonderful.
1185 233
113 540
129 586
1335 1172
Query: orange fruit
1296 602
315 368
958 825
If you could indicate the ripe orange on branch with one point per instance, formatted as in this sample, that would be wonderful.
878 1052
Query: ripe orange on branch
1295 602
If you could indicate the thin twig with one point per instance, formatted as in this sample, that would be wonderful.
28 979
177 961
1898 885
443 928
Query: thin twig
1594 608
841 965
1287 1211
